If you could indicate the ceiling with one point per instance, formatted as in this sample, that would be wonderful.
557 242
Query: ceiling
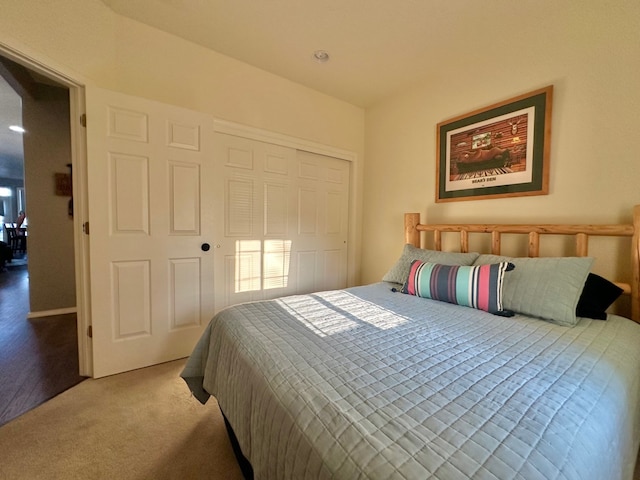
377 47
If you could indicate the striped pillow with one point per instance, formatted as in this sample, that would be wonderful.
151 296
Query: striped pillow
478 286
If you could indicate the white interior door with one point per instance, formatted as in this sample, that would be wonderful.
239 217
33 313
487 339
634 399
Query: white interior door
285 221
149 173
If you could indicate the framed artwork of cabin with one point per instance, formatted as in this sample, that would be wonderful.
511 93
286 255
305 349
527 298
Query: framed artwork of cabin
498 151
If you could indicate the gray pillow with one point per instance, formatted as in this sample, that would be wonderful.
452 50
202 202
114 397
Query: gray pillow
400 271
546 287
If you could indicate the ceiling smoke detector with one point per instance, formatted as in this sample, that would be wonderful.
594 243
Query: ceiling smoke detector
321 56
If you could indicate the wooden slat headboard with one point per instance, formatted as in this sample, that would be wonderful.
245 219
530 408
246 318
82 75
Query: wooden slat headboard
413 228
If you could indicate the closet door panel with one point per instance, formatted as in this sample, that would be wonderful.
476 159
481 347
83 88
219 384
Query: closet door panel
285 221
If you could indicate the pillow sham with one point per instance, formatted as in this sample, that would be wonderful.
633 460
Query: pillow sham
398 273
477 287
598 295
544 287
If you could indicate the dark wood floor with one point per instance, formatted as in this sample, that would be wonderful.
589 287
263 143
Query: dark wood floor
39 356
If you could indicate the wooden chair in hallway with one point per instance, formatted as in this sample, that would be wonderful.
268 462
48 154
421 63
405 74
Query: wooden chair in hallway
18 243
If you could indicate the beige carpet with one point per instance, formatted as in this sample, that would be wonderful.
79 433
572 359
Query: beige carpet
134 426
137 425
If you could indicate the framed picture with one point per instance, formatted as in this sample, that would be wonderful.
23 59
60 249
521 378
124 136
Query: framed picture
498 151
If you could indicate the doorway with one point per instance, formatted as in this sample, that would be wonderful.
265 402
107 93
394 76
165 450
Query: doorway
37 154
11 158
38 296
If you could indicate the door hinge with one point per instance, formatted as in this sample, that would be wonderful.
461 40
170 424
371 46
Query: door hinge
90 331
85 228
83 119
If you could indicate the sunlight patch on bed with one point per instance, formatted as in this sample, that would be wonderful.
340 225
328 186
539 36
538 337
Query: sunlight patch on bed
316 315
328 313
364 310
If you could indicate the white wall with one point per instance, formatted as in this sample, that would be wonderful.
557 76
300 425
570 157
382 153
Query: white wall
91 44
590 52
87 40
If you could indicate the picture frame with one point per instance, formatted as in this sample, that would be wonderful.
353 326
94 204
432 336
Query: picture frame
62 184
498 151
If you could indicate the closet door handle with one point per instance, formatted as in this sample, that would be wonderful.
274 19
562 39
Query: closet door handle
205 247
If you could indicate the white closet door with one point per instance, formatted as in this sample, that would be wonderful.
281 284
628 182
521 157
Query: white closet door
322 187
149 167
285 221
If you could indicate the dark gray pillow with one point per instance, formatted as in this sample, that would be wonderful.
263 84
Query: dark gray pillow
545 287
598 295
400 271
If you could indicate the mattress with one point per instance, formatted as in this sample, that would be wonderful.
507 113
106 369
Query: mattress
370 383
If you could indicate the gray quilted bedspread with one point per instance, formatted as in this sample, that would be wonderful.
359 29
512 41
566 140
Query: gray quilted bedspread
366 383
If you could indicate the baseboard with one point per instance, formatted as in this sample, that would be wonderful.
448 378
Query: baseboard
51 313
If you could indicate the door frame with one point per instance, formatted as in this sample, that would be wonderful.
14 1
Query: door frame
76 86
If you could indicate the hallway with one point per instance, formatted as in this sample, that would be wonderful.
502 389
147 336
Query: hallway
39 356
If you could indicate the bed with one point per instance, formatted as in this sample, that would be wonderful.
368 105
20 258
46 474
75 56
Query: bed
376 382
